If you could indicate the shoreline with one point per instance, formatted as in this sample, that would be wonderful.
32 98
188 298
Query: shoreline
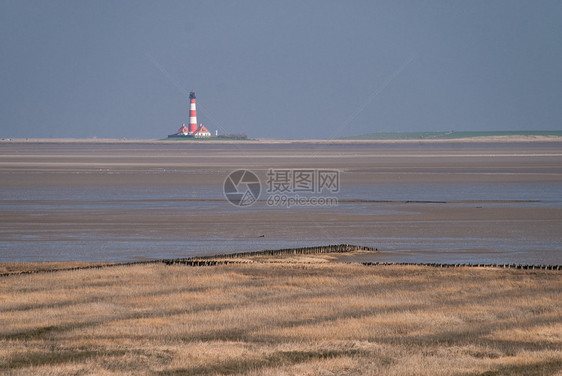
334 254
481 139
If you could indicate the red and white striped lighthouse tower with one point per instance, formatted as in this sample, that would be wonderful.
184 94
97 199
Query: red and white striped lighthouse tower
192 114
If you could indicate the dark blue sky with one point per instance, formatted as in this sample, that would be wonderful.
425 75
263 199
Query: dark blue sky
287 69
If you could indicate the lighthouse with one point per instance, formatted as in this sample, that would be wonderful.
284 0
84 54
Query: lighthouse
192 130
192 113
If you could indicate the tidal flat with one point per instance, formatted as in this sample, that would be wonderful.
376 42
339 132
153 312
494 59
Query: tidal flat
451 202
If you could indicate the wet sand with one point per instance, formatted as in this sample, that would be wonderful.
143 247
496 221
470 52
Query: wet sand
425 201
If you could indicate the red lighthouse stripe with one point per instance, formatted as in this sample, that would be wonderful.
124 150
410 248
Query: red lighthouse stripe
192 114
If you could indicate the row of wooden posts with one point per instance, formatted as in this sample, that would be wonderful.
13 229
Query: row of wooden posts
236 258
337 248
469 265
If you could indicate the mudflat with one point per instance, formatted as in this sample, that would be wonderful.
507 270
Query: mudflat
427 201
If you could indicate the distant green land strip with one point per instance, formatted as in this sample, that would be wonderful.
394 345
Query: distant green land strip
447 135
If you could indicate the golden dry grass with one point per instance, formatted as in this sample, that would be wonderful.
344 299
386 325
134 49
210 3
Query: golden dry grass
282 316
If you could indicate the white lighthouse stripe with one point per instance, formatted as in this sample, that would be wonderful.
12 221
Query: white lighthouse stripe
192 107
193 120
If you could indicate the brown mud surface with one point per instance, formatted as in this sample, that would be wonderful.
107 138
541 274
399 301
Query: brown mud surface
64 192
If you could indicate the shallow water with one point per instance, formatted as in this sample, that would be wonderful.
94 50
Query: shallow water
487 203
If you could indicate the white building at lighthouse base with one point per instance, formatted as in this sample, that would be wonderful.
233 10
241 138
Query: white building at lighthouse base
200 132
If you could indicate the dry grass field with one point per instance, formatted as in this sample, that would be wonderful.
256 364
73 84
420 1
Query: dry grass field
282 316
